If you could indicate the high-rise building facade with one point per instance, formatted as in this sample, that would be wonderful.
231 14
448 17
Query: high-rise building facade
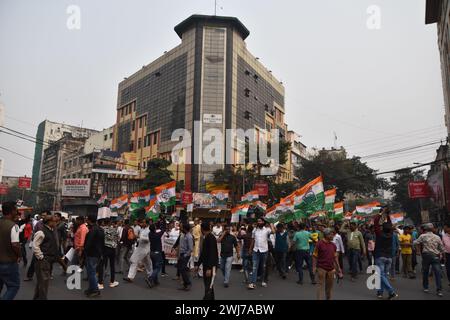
438 11
209 81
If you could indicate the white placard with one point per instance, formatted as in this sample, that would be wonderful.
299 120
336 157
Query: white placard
215 118
70 254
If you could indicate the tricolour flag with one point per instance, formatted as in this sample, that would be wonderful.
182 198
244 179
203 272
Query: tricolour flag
348 216
165 194
102 199
330 196
396 217
250 196
118 203
261 205
310 198
318 214
369 209
272 215
140 199
338 210
220 196
241 209
152 211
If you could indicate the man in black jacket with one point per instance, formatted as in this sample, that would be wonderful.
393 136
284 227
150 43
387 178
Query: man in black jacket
209 258
45 250
93 249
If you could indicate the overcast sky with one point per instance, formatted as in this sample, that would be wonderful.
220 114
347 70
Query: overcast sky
379 90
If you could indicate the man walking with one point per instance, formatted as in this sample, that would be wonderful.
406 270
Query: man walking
93 250
127 239
301 242
355 246
197 234
383 251
109 253
186 245
227 242
155 254
141 253
45 249
431 248
281 249
325 262
260 248
209 259
9 252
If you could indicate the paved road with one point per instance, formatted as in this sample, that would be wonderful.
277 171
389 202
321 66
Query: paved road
278 289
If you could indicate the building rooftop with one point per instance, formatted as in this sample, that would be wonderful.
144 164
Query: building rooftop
204 19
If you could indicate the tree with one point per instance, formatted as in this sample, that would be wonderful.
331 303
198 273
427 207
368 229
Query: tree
399 186
157 173
348 175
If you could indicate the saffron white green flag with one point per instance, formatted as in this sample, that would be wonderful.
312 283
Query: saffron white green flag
240 210
250 196
272 215
140 199
165 194
338 210
310 197
102 199
118 203
369 209
330 196
220 196
153 210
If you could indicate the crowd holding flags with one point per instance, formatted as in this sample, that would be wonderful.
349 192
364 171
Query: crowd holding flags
308 202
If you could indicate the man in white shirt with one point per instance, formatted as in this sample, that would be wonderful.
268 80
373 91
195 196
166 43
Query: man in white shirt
141 253
260 248
340 250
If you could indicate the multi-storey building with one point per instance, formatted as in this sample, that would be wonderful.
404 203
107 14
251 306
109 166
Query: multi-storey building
209 81
438 11
297 152
47 133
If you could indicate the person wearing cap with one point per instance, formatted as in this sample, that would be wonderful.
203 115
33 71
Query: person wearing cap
430 246
325 264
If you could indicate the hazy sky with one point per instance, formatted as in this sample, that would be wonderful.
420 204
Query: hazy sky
379 90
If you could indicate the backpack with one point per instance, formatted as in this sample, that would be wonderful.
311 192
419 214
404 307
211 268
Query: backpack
130 235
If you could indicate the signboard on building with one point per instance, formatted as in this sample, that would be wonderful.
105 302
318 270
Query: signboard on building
24 183
186 197
213 118
112 162
418 189
3 189
203 200
262 187
76 187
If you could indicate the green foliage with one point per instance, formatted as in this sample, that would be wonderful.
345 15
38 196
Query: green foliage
399 186
345 174
157 174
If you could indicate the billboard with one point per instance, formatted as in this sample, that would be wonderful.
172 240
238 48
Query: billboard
113 162
418 189
76 187
203 200
24 183
262 187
